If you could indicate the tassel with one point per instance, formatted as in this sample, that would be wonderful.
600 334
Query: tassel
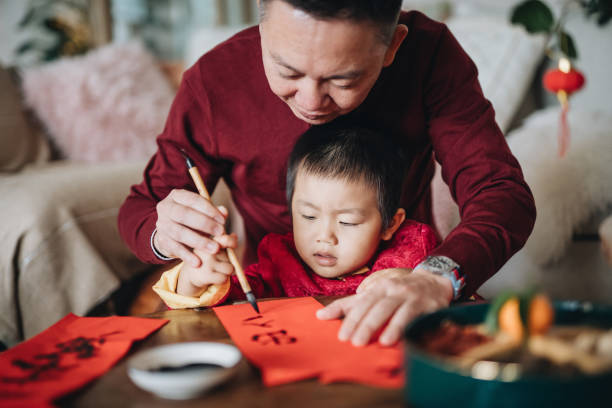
563 81
564 135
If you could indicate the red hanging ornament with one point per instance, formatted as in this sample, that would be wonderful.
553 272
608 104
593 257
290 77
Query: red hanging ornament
563 81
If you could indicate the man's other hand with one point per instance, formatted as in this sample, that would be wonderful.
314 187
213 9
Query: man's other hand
395 296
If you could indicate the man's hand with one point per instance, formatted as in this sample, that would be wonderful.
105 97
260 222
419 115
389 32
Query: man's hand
393 295
215 269
185 221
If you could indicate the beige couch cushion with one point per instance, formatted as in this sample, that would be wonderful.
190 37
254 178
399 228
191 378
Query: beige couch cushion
19 143
61 249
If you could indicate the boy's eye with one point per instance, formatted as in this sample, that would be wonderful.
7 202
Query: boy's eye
308 217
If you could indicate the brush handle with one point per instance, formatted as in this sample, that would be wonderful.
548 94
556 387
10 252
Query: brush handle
197 179
244 283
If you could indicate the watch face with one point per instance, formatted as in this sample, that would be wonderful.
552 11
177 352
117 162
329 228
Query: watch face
437 263
440 264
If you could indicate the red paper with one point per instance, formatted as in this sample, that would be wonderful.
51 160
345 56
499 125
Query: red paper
288 343
67 356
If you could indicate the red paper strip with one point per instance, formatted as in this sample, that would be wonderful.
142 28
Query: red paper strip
68 355
288 343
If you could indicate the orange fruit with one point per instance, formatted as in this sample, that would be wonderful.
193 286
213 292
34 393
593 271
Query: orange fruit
541 314
510 319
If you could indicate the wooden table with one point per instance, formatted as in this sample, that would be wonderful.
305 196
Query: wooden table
115 389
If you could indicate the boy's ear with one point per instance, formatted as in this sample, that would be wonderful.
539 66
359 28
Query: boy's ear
396 221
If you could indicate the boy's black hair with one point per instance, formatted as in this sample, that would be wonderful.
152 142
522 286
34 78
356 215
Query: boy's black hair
352 153
383 13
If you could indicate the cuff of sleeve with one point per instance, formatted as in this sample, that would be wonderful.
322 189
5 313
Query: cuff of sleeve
155 251
166 289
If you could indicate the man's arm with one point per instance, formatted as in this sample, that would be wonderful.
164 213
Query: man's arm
165 198
496 206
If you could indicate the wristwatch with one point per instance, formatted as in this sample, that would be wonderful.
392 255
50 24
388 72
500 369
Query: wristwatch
444 266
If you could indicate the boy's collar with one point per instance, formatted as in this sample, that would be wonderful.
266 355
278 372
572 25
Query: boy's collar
360 271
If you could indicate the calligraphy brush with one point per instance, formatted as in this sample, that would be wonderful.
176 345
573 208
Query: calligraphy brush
244 283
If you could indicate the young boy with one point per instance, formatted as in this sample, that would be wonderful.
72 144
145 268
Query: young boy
343 186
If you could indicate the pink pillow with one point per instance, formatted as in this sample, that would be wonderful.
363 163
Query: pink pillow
108 105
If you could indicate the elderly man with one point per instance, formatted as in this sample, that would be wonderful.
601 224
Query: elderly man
241 107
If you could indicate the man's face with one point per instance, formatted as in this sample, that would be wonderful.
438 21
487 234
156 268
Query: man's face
337 226
321 68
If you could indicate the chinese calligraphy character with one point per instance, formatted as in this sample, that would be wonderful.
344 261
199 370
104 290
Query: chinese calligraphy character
277 337
250 321
46 365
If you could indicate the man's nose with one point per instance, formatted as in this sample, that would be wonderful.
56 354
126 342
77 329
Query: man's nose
327 234
311 95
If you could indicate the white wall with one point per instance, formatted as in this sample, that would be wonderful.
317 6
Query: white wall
594 46
11 12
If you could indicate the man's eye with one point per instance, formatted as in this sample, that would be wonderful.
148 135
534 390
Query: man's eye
289 75
308 217
343 85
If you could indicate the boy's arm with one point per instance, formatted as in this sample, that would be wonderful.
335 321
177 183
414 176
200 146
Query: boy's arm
166 289
262 277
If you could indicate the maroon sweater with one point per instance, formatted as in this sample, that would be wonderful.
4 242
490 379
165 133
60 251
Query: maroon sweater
280 271
429 100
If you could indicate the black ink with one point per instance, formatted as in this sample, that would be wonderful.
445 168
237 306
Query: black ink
249 321
277 337
190 366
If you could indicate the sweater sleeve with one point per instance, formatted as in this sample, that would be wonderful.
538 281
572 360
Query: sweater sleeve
165 287
496 205
411 243
188 127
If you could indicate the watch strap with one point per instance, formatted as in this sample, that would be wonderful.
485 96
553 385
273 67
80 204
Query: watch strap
444 266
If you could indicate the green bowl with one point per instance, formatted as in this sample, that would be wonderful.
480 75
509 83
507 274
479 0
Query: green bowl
432 382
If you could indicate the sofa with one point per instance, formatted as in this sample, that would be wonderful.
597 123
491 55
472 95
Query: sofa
61 251
75 134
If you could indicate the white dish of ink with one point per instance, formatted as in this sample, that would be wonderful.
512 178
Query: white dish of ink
183 370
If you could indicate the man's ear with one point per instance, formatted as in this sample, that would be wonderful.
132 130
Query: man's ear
398 37
396 221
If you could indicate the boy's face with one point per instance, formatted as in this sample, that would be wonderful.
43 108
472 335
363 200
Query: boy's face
336 223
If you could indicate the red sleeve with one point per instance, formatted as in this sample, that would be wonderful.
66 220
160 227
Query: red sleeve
263 276
485 179
187 127
410 244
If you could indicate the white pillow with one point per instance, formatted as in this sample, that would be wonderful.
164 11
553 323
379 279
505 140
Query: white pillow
507 58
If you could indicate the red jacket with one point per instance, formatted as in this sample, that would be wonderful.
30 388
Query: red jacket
281 273
429 100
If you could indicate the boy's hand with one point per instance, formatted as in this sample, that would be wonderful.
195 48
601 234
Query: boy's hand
215 269
185 222
391 295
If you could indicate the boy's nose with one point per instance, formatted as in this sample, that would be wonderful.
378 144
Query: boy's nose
327 236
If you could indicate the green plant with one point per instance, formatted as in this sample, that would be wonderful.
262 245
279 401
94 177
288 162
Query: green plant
65 20
537 17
